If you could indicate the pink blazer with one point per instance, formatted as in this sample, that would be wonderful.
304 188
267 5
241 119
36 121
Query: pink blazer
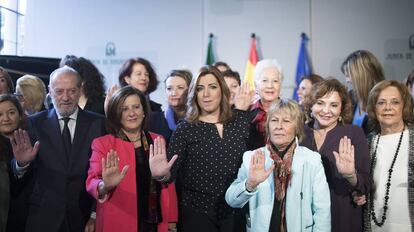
117 211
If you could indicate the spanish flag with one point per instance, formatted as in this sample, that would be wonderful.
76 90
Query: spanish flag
251 63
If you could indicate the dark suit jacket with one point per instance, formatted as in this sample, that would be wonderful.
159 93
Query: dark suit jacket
59 191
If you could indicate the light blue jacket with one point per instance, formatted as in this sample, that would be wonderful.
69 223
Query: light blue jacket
308 202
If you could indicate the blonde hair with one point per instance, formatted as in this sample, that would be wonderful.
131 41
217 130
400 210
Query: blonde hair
33 90
365 71
291 108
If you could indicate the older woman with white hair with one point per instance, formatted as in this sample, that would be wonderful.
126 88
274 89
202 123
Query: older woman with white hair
268 80
283 183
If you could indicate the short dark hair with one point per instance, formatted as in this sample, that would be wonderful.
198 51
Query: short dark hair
221 63
232 74
114 113
126 70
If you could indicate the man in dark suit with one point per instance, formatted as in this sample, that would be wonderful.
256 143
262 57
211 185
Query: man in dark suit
59 158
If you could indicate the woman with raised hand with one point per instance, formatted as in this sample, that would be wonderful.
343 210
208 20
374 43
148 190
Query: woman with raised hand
13 198
344 152
119 175
209 143
268 81
283 183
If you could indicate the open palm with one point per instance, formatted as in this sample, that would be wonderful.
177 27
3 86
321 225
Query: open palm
159 164
23 150
345 157
111 175
244 97
257 171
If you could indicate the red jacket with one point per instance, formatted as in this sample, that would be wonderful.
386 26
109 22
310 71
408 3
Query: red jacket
118 211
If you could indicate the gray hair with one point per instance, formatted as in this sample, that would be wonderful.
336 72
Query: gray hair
291 108
65 70
267 63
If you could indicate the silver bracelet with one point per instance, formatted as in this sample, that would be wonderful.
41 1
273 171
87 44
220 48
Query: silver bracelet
162 179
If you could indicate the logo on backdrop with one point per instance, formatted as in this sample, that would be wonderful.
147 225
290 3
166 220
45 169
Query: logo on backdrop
110 49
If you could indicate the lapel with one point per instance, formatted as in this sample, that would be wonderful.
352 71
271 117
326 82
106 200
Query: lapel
52 128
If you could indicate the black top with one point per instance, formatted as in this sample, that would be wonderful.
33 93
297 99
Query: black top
143 177
95 105
155 106
18 190
207 163
256 139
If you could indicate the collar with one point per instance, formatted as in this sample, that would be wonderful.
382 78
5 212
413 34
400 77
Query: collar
73 116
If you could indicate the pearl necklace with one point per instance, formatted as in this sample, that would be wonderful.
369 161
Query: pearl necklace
387 185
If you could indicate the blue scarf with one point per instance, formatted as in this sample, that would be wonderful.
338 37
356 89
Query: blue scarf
169 116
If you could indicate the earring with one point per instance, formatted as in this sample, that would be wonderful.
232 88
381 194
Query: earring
340 119
311 114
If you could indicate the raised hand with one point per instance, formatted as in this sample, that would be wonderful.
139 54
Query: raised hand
345 158
159 165
257 171
111 175
244 97
23 150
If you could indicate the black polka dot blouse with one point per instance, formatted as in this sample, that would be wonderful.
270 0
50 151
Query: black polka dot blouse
207 164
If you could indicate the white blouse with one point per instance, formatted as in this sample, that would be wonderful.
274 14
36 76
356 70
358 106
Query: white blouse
397 217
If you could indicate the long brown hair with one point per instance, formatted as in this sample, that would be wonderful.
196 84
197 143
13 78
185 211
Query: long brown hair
194 111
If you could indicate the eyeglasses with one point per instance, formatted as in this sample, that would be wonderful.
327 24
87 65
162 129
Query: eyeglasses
18 95
392 103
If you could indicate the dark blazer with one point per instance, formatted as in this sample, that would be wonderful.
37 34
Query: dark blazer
59 194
